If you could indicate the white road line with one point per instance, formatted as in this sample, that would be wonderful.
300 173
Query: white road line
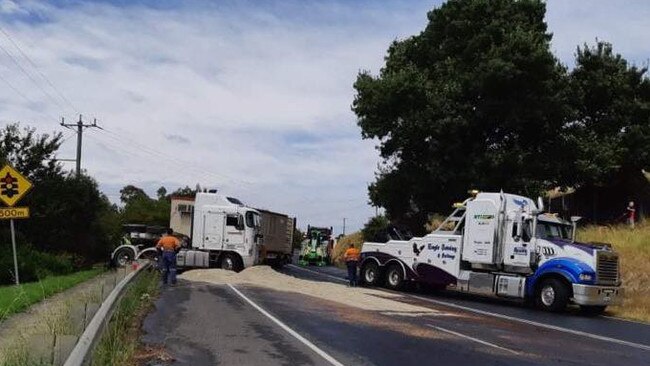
302 339
537 324
644 347
472 339
318 273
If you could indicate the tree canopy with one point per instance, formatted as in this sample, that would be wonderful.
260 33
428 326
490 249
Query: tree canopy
68 213
478 100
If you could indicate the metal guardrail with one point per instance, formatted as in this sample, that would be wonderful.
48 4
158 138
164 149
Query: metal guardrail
82 351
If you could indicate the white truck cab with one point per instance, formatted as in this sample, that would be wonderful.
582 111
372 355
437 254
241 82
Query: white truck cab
224 233
225 229
499 244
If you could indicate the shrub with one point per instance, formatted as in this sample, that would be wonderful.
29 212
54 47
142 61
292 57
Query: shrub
33 264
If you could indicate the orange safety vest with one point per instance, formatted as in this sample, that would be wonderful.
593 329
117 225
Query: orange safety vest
352 254
168 243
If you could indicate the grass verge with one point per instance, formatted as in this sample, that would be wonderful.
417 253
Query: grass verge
14 299
120 340
633 247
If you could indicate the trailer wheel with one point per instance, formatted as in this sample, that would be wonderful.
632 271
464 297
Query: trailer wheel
553 295
370 274
592 310
230 262
394 277
123 257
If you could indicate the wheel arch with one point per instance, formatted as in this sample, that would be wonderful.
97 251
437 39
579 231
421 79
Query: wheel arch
558 275
146 251
370 259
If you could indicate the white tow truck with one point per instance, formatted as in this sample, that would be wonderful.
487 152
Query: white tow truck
500 245
224 233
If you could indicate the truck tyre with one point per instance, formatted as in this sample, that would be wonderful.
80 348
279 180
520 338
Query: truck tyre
230 262
394 277
595 310
370 274
123 257
553 295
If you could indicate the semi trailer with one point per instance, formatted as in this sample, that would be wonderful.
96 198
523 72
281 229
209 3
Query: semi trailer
219 231
500 245
277 238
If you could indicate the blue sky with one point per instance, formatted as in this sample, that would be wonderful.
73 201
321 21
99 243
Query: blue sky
251 97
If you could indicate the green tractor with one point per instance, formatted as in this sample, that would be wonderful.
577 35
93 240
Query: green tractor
317 247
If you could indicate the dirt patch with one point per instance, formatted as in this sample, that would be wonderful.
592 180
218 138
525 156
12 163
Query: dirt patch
264 276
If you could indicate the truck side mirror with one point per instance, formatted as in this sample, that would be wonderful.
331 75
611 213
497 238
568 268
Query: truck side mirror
240 222
540 204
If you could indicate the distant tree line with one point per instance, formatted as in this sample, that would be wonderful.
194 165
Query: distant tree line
478 100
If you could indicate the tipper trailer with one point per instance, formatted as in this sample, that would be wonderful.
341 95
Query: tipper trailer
501 245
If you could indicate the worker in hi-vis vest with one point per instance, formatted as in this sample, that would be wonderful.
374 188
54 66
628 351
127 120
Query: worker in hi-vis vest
351 258
168 245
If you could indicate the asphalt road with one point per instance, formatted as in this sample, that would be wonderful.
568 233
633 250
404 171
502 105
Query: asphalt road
200 324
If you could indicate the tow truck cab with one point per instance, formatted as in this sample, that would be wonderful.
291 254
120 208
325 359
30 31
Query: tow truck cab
502 245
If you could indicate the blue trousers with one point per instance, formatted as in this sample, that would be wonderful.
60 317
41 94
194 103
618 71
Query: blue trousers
169 267
352 272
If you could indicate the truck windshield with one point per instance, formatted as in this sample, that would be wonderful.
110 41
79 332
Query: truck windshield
547 230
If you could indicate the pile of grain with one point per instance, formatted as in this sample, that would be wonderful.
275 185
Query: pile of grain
264 276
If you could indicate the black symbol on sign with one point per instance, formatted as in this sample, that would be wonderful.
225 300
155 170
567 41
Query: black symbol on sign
8 186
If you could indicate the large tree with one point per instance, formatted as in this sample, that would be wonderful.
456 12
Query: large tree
609 132
476 100
68 213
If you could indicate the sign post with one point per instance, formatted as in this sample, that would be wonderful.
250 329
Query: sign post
13 187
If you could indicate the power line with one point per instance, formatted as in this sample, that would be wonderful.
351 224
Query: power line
47 80
27 99
30 77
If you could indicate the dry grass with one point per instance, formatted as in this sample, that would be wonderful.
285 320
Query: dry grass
633 247
344 243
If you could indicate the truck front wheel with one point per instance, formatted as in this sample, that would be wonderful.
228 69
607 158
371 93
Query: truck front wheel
370 274
394 277
231 262
553 295
123 257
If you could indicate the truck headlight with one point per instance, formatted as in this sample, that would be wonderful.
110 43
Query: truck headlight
586 277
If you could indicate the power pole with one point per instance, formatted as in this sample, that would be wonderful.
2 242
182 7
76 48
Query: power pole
80 125
344 226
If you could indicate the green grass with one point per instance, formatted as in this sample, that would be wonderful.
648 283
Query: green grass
120 341
14 299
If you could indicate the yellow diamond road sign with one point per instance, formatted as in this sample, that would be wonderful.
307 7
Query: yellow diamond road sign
13 185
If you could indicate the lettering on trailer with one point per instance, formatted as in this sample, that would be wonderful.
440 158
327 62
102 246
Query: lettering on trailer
13 186
8 213
446 251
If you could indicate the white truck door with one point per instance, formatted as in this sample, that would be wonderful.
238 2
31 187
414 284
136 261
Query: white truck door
517 250
234 234
480 231
213 230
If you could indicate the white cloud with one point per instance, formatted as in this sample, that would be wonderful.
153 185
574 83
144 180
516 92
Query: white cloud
254 99
10 7
624 23
242 97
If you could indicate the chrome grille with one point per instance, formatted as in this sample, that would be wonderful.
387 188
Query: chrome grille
607 268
